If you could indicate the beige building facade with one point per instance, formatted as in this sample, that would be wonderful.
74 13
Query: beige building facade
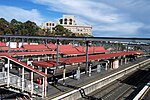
68 22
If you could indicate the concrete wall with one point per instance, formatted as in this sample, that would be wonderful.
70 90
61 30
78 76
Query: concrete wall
75 94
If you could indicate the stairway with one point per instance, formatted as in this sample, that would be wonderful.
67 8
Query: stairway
16 84
19 84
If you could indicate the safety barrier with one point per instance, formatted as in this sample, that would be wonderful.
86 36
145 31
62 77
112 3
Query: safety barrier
16 82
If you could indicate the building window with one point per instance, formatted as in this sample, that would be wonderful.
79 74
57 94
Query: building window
70 21
53 24
61 21
49 24
46 24
65 21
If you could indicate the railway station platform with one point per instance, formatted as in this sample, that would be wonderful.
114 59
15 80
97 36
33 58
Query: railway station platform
38 62
73 84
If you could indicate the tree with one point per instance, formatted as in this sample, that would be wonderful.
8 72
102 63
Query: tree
31 28
59 30
15 26
4 27
18 28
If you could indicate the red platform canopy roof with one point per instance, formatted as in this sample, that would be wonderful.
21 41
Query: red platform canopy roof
76 50
15 49
2 44
33 47
44 64
29 53
71 60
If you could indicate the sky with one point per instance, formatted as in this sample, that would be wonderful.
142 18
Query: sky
108 18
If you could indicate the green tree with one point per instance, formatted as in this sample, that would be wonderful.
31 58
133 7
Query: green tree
4 27
31 27
60 30
15 26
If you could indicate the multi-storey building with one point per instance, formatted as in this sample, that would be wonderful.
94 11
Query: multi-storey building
68 22
49 25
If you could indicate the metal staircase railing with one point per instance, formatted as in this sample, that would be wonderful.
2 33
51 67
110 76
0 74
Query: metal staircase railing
15 82
3 78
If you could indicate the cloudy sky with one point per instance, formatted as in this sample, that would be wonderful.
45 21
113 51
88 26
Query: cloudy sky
117 18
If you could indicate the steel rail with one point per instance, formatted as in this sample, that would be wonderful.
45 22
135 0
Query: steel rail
77 38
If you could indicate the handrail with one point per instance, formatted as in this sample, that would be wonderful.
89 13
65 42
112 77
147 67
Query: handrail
15 81
24 65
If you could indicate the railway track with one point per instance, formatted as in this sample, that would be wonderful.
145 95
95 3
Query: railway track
124 87
131 89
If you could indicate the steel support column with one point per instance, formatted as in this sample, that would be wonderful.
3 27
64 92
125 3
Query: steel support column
125 59
73 44
3 69
57 52
22 42
117 47
111 64
106 66
90 69
32 86
38 59
43 88
127 47
78 73
121 63
86 68
46 85
8 66
8 73
9 47
22 79
64 74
